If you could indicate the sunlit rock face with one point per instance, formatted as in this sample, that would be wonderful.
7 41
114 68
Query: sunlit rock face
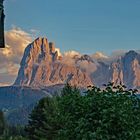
117 72
131 69
44 71
41 66
102 75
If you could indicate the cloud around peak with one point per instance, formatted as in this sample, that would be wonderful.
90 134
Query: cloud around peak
16 40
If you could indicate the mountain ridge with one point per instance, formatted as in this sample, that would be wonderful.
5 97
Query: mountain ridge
41 66
44 72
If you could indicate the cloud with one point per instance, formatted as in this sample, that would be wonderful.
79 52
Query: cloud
115 55
68 58
99 55
58 51
34 33
16 40
118 53
74 58
71 54
87 66
4 84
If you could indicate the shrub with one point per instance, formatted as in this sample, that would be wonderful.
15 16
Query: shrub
112 113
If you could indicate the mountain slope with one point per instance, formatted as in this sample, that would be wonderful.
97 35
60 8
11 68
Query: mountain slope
43 72
40 66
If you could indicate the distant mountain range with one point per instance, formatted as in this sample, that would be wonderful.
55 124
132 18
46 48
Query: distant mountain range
43 71
42 66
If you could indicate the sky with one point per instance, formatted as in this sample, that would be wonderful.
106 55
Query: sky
86 26
82 25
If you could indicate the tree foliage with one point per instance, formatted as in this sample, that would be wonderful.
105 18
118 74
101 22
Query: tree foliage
112 113
43 124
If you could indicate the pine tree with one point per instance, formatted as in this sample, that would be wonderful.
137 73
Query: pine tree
112 113
43 123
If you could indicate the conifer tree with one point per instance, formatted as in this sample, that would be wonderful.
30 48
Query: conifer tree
112 113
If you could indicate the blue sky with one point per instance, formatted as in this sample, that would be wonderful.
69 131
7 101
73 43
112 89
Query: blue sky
86 26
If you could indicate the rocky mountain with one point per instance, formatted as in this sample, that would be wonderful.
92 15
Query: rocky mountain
125 69
42 66
43 71
131 69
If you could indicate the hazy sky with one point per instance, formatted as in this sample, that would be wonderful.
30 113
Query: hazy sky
83 25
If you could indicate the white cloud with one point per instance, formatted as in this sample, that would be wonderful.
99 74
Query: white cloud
99 55
118 53
34 33
58 51
16 40
71 54
4 84
68 58
86 66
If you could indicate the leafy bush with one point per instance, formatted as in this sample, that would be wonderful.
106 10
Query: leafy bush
112 113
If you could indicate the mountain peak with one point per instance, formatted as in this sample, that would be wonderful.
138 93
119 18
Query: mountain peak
86 58
40 49
41 43
130 56
39 67
131 53
39 52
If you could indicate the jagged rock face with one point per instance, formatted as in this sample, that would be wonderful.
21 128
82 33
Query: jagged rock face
131 69
125 70
102 74
117 72
40 67
36 62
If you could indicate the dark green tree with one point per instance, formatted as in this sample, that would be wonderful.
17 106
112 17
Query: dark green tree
112 113
43 123
71 109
